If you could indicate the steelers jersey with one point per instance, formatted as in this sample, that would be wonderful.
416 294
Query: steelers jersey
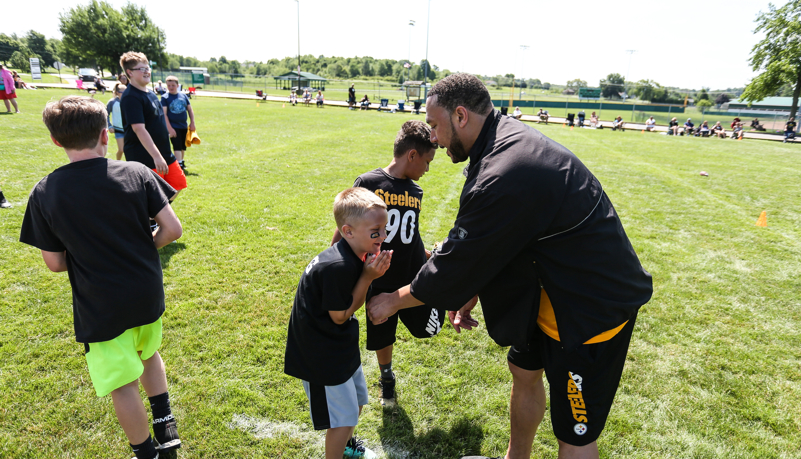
404 199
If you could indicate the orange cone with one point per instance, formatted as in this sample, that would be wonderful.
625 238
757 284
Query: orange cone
257 104
643 131
571 128
563 124
283 105
763 220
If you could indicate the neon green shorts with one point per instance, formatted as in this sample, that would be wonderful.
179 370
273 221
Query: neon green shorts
117 362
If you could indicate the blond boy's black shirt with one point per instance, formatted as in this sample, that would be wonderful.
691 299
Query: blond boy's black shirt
530 212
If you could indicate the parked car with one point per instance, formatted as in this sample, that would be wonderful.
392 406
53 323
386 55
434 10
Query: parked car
87 74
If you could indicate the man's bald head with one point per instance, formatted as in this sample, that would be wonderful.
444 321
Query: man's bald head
462 89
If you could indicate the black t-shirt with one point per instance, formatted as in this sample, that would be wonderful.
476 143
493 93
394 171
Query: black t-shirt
673 123
99 211
404 199
317 349
790 126
140 107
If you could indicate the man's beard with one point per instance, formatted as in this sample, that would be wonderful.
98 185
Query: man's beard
456 149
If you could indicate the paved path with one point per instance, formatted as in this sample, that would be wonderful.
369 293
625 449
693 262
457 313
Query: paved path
636 127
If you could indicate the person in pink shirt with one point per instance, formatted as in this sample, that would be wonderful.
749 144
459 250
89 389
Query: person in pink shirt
7 90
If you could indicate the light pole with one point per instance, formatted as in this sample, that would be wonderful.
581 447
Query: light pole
408 69
626 82
298 2
522 48
428 27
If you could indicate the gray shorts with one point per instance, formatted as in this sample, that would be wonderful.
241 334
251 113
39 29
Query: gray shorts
337 406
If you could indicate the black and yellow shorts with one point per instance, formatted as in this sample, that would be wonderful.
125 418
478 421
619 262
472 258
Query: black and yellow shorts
582 382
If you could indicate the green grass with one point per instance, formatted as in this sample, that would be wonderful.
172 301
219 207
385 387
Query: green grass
713 370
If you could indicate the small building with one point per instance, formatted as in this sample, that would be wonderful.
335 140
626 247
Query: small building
569 92
291 79
767 106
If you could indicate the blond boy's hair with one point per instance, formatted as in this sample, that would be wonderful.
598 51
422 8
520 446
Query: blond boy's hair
172 78
351 205
129 60
75 121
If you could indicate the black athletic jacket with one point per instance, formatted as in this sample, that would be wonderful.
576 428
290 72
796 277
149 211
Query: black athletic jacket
530 212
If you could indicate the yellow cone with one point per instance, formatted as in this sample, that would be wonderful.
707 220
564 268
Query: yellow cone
257 104
763 220
283 105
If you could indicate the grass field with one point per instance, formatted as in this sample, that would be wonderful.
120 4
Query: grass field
714 368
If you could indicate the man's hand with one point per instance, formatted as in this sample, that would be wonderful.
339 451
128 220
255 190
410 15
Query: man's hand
462 319
192 126
376 265
171 131
161 165
381 307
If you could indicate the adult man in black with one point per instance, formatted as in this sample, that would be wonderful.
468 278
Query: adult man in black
532 219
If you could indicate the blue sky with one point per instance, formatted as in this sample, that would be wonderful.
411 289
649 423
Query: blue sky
677 43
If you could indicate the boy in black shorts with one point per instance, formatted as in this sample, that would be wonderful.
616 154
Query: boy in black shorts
395 185
176 107
113 264
322 347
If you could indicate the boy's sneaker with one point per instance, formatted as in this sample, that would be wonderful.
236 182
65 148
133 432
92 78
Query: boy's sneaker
387 390
166 432
3 202
356 449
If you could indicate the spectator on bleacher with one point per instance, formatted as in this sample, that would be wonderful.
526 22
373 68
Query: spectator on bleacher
293 98
688 126
618 124
673 127
734 122
757 127
703 130
517 114
543 114
789 129
8 91
364 103
352 97
718 131
594 121
650 124
160 89
320 98
738 132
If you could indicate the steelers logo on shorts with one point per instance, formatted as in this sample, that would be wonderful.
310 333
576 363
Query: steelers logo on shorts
580 428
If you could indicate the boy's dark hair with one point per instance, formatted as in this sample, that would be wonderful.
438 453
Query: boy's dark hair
75 121
413 135
462 89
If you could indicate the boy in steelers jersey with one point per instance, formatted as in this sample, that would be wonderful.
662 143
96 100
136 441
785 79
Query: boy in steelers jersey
395 185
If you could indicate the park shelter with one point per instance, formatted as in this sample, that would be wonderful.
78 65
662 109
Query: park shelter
290 79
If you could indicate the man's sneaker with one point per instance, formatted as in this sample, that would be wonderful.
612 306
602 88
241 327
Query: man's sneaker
387 390
3 203
166 432
356 449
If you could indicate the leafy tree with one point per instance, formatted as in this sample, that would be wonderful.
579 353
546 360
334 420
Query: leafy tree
722 98
576 84
38 44
703 95
535 83
612 86
367 69
778 55
8 46
19 59
353 69
222 60
97 35
546 86
703 104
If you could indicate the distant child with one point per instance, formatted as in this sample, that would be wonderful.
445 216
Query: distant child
395 186
115 119
146 138
176 106
322 346
90 218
